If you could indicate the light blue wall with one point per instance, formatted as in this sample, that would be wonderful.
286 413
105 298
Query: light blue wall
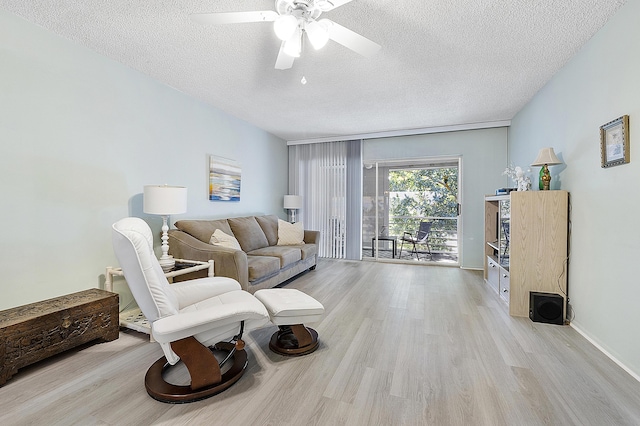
484 154
601 83
81 135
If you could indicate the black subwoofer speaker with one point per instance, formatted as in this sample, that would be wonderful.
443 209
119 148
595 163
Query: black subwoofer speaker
546 307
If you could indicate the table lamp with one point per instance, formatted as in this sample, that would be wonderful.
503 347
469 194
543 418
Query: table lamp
546 157
165 200
292 203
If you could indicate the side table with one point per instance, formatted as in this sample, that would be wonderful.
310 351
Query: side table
133 318
385 238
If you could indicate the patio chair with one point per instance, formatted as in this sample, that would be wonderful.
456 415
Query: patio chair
421 237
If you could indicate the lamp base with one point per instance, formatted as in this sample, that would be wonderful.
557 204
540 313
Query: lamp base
167 262
293 215
545 178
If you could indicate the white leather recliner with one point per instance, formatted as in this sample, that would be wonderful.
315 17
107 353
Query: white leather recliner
188 319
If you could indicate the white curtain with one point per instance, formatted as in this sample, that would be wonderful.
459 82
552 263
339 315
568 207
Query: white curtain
325 175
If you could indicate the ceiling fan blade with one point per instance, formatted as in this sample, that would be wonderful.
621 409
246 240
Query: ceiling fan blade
284 61
327 5
235 17
351 40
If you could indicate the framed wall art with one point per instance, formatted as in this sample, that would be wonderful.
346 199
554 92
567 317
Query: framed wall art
224 179
614 142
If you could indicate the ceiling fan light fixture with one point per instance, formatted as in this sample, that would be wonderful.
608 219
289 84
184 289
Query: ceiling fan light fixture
293 46
285 26
292 18
318 33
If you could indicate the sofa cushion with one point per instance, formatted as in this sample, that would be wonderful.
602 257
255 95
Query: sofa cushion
262 266
203 229
221 239
248 232
269 225
286 254
290 233
308 250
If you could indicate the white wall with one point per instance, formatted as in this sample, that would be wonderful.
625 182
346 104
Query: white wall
81 135
484 154
599 84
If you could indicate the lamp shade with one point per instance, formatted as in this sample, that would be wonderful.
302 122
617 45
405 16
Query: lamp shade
284 26
546 156
292 202
318 33
164 199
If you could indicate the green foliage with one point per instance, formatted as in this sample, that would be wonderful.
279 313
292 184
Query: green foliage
421 193
424 192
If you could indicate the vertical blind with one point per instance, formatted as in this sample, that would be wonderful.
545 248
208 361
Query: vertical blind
319 173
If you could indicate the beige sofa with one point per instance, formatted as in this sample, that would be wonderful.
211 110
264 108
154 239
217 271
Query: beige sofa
260 264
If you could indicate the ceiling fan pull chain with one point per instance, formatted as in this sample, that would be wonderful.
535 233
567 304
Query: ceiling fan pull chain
304 79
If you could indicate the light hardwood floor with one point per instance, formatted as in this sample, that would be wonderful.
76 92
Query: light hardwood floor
400 344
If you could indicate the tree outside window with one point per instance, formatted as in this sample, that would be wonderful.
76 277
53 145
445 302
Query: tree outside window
425 194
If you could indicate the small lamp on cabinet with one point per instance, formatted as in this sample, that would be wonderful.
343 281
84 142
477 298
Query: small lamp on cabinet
546 157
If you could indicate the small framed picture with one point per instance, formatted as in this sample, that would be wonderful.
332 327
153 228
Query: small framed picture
224 179
614 142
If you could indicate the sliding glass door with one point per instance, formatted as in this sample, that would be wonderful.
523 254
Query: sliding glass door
410 210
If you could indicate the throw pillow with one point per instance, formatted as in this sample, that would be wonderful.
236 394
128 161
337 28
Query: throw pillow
290 234
203 229
248 232
269 225
221 239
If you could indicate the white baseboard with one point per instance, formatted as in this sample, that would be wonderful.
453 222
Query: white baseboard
604 351
471 268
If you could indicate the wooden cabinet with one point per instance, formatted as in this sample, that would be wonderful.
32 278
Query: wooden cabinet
526 237
33 332
497 247
505 285
493 273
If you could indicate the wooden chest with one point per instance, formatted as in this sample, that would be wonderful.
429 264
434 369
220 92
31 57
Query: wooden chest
33 332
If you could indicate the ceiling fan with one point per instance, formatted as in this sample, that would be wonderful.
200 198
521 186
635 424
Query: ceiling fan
291 20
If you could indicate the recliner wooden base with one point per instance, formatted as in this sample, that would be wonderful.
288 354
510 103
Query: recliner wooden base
294 340
206 379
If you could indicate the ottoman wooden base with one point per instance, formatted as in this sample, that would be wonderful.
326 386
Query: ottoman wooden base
33 332
289 309
294 340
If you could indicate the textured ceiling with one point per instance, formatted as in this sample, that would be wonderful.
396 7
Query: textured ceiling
442 63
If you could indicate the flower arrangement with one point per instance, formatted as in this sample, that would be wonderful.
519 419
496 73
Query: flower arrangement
516 173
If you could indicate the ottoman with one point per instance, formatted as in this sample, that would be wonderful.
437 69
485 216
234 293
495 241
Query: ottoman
289 309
